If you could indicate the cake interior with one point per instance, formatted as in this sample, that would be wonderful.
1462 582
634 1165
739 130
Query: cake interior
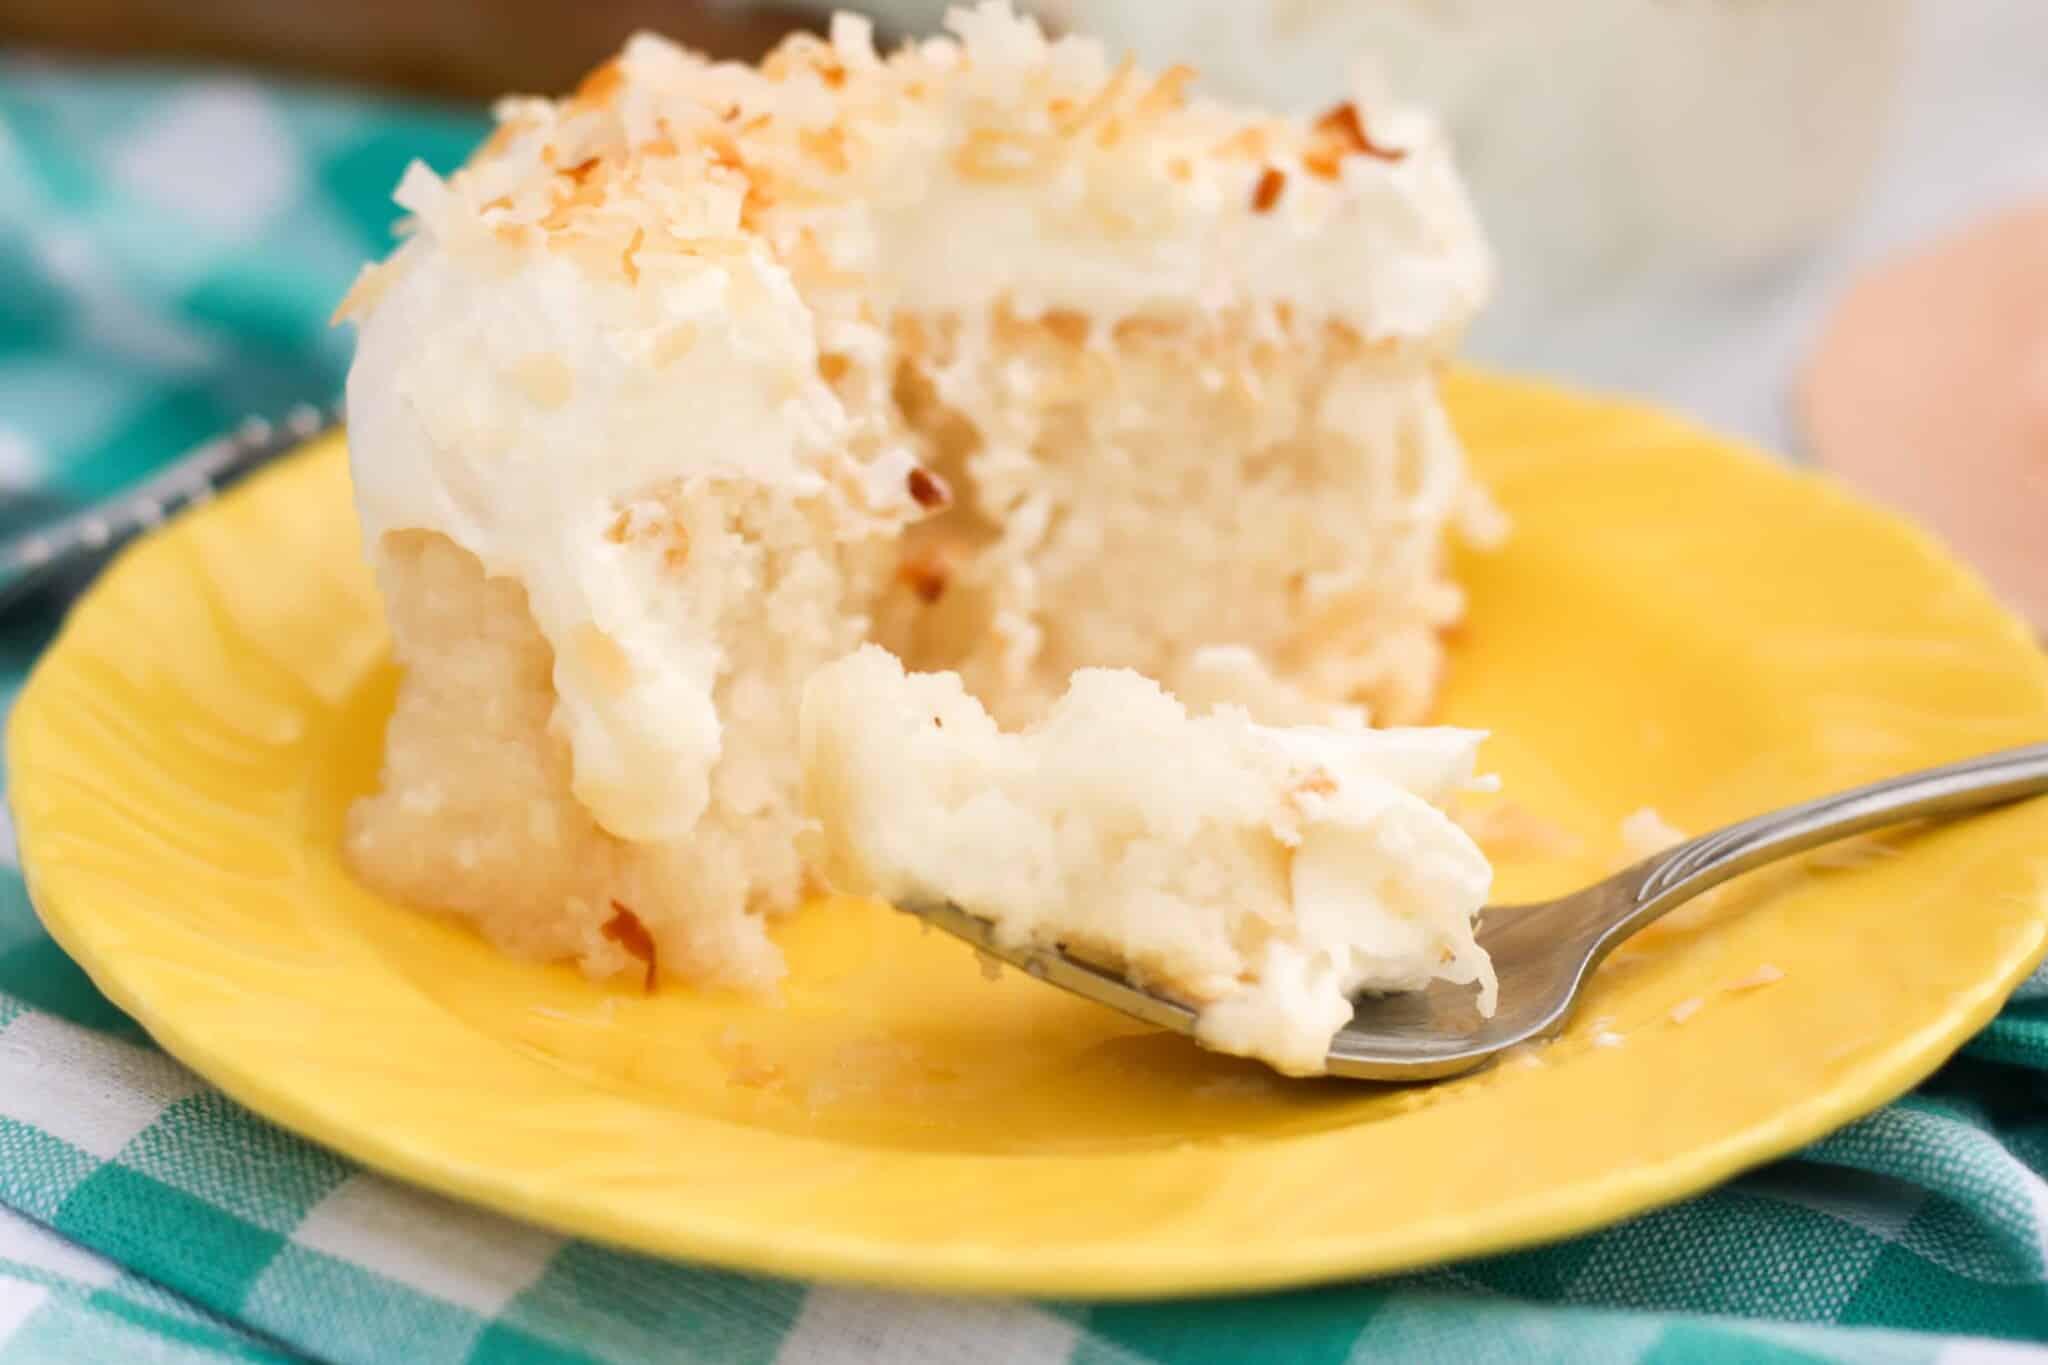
1121 496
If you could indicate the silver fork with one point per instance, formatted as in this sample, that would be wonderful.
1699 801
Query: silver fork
61 553
1544 952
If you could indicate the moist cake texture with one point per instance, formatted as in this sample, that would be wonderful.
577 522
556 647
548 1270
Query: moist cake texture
996 351
1261 875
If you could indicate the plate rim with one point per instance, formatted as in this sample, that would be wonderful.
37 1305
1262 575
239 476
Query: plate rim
1546 1217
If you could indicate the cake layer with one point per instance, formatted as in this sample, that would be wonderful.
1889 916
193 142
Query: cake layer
1261 875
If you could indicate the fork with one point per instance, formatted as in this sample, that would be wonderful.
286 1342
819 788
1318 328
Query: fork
1544 952
60 553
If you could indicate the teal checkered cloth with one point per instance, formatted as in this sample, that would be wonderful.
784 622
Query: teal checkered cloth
169 251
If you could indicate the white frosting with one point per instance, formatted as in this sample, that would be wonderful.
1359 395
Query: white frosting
1132 211
514 414
1262 875
636 286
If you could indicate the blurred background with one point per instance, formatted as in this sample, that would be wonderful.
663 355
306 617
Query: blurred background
1816 223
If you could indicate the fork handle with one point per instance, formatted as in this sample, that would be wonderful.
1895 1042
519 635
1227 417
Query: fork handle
1954 789
55 552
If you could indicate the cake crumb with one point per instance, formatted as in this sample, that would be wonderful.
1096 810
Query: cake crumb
744 1064
1509 829
1646 833
1765 975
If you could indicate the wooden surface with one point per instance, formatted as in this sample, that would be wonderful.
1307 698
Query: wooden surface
447 47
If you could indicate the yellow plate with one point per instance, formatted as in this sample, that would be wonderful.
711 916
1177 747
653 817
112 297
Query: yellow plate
1675 623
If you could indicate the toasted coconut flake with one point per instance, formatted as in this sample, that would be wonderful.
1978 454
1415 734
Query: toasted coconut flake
599 88
626 929
1071 327
582 196
827 148
996 154
1102 102
1339 133
370 284
808 261
722 147
802 53
1168 93
1267 192
820 119
1317 783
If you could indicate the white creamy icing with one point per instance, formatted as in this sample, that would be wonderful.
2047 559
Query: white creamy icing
1263 875
514 414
